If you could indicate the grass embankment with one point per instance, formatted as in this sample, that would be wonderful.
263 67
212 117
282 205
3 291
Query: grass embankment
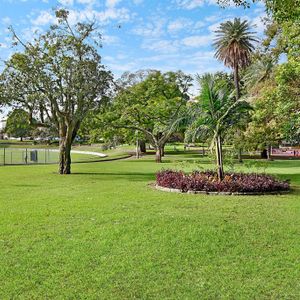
103 233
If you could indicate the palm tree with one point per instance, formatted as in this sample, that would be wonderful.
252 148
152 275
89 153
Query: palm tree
234 45
213 115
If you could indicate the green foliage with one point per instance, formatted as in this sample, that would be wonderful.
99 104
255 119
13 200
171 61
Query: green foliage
216 112
276 108
153 106
234 43
18 124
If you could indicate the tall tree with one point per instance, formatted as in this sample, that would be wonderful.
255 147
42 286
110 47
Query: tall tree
234 45
58 77
153 106
18 124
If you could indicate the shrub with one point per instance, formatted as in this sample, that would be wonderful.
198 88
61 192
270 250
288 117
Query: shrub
232 182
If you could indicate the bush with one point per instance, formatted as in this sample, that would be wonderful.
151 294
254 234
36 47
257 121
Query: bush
208 182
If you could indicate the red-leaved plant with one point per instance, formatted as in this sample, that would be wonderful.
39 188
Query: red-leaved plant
232 182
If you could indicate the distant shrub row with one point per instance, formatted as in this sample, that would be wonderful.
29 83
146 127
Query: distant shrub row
208 182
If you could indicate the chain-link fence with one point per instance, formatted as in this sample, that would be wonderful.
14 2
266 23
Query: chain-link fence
18 156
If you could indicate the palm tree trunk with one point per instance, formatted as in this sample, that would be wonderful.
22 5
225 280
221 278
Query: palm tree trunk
238 95
220 169
236 81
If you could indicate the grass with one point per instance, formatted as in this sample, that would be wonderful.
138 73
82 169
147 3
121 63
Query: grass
103 233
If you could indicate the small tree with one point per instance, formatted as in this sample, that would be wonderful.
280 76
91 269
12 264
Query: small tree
58 77
214 115
18 124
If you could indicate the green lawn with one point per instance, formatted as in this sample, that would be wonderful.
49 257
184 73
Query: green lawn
103 233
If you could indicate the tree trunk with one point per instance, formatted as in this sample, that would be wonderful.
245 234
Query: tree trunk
137 149
163 150
220 170
143 146
238 95
21 139
65 145
158 154
240 158
264 154
236 82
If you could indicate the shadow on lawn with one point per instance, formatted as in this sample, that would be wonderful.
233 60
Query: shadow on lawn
126 176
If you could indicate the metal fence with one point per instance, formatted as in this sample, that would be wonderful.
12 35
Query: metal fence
18 156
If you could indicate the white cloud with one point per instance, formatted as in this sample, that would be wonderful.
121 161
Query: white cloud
197 40
162 46
3 45
110 39
6 21
199 24
179 24
192 4
112 3
121 67
212 18
259 24
88 2
44 18
153 29
121 14
214 27
66 2
86 14
28 34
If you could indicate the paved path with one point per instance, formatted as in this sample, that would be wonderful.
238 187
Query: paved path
83 152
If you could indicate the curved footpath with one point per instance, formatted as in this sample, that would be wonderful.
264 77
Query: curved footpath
83 152
89 152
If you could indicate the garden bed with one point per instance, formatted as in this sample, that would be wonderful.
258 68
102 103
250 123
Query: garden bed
208 183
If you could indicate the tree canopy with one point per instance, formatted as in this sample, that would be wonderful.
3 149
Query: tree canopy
152 106
18 124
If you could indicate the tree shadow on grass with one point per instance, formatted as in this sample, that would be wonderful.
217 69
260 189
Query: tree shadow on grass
120 175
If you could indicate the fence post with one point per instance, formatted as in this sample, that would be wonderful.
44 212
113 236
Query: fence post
26 157
4 156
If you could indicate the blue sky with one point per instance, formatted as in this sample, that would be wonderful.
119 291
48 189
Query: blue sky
164 35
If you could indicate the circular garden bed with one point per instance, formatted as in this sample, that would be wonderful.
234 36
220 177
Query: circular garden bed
207 183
